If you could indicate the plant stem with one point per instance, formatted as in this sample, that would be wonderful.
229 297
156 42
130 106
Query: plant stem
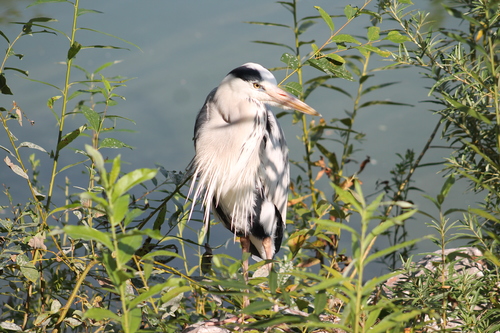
76 289
63 109
305 130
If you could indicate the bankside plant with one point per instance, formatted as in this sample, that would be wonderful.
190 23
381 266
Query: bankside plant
114 255
68 259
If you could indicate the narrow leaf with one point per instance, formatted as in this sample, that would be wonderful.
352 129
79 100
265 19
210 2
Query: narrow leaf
110 35
326 17
93 118
4 88
257 306
74 49
132 179
82 11
344 38
17 70
113 143
100 314
68 138
88 233
32 146
16 168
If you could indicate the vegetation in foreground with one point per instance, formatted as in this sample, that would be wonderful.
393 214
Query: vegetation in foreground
112 257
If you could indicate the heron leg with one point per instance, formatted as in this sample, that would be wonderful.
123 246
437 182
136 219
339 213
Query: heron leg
245 247
268 245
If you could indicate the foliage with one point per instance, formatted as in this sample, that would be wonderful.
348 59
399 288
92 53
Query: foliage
113 256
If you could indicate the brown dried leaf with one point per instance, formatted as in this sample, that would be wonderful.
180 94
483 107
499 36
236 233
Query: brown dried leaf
298 200
37 242
16 168
363 164
309 262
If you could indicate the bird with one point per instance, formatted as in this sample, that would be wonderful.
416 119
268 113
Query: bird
241 159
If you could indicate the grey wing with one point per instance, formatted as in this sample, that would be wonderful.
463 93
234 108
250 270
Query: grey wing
202 116
274 161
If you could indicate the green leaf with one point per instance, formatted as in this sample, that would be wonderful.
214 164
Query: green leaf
17 70
160 218
396 37
115 169
330 224
100 314
120 209
68 138
470 111
92 117
335 57
326 17
329 68
98 160
350 11
82 11
127 245
394 319
344 38
110 35
4 36
293 88
320 302
38 2
446 189
132 179
366 49
74 49
484 214
4 88
290 60
106 65
373 33
392 249
162 253
27 268
174 292
143 296
304 26
277 320
257 306
274 44
113 143
87 233
268 24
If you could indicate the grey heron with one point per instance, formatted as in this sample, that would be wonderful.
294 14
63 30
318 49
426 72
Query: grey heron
241 160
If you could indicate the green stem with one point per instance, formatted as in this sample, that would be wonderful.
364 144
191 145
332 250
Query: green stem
346 152
63 109
305 130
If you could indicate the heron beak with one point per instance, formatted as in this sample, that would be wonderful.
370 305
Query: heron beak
289 101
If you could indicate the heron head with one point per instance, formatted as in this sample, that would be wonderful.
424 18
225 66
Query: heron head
258 83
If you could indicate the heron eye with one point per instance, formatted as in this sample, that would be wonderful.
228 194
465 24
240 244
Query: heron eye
256 85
